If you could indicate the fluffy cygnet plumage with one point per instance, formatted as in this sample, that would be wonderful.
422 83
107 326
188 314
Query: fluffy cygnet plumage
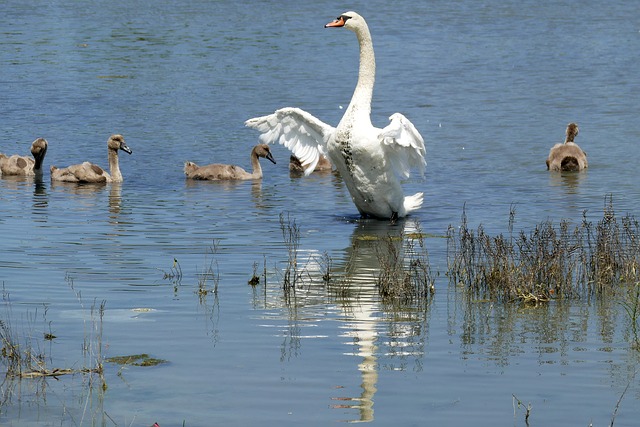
567 156
219 171
23 165
296 167
88 172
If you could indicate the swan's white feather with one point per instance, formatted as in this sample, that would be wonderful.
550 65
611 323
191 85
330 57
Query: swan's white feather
371 161
303 134
403 146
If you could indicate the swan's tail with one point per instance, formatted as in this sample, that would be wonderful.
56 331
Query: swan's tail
412 203
570 163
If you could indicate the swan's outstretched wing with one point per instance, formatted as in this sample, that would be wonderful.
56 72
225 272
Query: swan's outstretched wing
403 146
299 131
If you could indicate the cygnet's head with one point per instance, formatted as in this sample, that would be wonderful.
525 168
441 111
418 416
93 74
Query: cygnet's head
263 150
116 142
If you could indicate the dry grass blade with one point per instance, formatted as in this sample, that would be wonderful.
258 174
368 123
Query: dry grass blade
549 262
405 272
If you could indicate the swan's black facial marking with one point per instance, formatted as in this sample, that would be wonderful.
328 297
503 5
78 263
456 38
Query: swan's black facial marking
340 21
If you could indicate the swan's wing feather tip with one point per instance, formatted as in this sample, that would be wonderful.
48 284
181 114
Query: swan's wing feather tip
300 132
414 202
403 145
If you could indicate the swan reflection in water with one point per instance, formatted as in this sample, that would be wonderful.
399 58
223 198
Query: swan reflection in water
570 182
92 194
228 191
40 200
371 327
373 244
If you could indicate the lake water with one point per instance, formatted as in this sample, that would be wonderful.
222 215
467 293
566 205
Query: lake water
491 86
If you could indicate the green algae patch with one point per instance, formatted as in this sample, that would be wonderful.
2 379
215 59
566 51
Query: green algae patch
375 237
136 360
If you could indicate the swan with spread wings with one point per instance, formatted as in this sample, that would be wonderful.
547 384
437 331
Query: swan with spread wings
371 161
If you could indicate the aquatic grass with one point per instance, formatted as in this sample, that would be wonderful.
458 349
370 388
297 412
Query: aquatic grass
326 264
24 354
210 272
631 305
255 279
291 237
624 392
517 404
405 274
422 277
93 331
393 280
174 274
20 354
549 262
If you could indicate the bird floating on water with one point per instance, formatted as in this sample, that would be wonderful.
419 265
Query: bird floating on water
371 161
567 156
23 165
91 173
219 171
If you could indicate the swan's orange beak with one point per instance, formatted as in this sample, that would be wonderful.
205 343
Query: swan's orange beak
338 22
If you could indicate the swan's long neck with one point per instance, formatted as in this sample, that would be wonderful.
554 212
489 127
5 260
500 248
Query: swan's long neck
114 167
255 163
360 104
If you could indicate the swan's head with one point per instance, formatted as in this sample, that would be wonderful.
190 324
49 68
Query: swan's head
348 20
116 142
263 150
572 132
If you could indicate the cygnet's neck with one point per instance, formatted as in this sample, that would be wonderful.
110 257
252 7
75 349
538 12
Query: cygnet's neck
114 167
255 163
572 132
39 159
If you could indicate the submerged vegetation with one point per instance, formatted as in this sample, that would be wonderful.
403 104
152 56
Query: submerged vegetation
24 355
135 360
28 355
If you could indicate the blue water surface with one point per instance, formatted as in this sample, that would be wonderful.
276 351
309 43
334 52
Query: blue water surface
491 86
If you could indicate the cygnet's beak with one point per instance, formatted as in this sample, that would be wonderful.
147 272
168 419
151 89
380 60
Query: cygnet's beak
270 157
126 149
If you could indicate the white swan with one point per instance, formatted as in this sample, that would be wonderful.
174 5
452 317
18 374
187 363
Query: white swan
568 156
22 165
371 161
91 173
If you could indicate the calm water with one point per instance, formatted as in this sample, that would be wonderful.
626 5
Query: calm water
491 87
